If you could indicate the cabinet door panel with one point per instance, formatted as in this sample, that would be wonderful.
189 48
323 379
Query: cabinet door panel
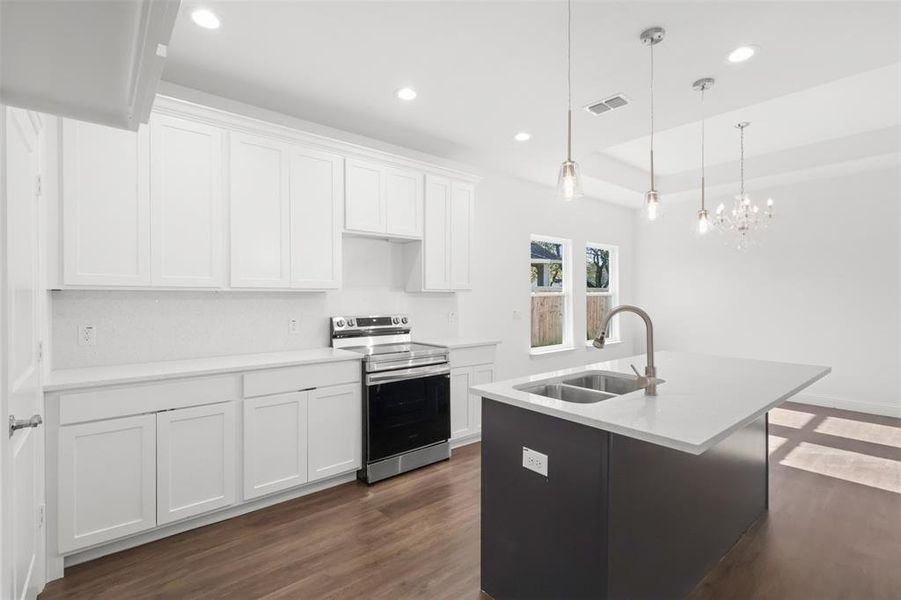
364 197
196 461
403 202
107 480
315 197
185 203
275 443
460 380
435 243
259 216
461 235
481 374
105 205
335 430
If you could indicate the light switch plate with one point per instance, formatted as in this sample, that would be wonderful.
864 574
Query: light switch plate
534 461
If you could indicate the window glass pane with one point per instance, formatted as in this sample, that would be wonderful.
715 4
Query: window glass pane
597 308
597 269
548 299
547 266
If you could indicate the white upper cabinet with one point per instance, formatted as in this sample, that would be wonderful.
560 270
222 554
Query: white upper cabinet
185 203
260 218
462 195
315 192
403 202
105 205
436 241
364 201
383 199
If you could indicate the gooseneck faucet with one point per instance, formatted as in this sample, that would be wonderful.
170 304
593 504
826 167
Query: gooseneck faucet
649 381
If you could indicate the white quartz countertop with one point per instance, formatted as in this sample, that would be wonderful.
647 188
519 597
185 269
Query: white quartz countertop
703 399
65 379
454 343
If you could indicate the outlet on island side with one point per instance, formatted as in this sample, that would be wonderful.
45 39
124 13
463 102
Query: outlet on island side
534 461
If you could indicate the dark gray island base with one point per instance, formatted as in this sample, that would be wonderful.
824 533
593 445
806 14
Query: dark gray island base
616 517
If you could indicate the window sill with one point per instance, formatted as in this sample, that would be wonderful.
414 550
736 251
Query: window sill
606 343
550 350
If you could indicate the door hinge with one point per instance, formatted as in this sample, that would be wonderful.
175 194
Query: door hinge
40 351
42 511
38 186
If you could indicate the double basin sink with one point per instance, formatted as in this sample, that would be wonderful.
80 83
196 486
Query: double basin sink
585 388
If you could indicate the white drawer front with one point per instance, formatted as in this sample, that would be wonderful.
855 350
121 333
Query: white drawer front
304 377
467 357
107 403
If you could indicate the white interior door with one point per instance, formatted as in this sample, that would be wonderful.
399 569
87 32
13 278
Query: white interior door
21 468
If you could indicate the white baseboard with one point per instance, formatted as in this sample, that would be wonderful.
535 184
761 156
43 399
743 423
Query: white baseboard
468 439
214 517
873 408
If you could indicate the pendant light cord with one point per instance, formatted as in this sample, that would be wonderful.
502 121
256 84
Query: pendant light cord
652 117
569 85
703 118
742 162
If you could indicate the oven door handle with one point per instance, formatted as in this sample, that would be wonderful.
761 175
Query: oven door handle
404 374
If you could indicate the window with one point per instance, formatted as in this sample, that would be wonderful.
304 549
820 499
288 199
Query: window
551 293
601 289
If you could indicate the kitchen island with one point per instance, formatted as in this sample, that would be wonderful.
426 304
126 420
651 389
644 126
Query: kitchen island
591 489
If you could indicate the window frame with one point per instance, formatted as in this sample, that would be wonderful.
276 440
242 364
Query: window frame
612 292
566 291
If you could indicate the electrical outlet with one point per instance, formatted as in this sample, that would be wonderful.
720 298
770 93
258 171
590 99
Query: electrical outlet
517 315
451 318
87 335
294 326
534 461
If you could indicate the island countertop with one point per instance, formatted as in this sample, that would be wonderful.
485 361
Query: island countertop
702 400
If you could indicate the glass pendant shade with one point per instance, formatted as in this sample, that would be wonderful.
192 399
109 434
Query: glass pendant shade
569 183
652 205
703 222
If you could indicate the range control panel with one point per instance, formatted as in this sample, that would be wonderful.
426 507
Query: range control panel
350 324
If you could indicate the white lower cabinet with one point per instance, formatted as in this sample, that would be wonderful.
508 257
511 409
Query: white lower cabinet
335 430
195 461
275 443
466 408
107 480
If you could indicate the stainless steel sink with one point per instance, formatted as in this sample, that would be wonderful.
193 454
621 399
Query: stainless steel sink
568 393
604 381
589 387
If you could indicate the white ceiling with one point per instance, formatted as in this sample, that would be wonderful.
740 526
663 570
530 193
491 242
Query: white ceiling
822 90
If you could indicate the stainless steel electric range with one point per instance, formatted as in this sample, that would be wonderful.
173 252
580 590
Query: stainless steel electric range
406 394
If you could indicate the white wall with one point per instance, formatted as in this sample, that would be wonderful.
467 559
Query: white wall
822 287
508 211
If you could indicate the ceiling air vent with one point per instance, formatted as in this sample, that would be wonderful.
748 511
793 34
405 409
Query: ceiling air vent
608 104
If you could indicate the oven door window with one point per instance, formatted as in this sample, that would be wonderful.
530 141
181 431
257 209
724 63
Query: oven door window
405 415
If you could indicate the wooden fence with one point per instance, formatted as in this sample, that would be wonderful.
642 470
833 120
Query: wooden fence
547 320
597 309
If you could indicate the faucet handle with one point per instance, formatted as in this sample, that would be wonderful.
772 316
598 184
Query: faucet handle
637 374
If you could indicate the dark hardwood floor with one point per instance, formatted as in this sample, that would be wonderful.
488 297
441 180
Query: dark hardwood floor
833 531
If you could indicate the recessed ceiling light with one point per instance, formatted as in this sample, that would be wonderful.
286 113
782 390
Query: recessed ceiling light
205 18
741 54
522 136
406 93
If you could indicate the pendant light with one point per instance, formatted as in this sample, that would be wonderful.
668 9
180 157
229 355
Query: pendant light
650 38
702 85
569 182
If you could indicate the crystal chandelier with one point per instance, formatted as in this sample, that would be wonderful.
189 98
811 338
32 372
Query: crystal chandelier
746 219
